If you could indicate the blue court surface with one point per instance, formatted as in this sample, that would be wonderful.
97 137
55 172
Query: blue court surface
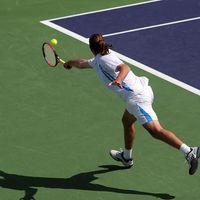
160 36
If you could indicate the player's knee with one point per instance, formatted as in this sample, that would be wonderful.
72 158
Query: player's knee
155 135
156 132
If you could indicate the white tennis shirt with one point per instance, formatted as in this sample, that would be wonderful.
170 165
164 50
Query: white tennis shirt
105 67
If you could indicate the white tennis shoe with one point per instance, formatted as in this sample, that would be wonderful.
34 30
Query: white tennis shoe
192 159
119 156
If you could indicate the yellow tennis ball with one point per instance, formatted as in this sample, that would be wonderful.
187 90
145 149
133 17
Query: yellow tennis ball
54 42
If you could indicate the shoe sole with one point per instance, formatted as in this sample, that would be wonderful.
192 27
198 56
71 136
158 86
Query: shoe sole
194 166
198 152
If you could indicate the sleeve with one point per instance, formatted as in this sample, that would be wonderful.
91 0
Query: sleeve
91 62
112 62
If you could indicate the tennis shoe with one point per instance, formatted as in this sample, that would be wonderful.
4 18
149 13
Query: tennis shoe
192 159
119 156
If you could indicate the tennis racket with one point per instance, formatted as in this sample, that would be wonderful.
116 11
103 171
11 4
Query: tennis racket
50 55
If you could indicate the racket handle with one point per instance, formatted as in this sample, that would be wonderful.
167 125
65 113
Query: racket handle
62 61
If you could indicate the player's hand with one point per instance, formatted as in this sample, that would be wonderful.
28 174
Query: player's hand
67 66
115 83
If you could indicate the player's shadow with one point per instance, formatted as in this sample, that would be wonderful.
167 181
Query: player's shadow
81 181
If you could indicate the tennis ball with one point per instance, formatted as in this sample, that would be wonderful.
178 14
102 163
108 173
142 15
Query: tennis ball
54 42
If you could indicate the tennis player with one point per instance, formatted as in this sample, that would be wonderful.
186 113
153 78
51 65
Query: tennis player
138 96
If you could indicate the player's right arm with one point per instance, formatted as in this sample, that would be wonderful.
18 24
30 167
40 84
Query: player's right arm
79 63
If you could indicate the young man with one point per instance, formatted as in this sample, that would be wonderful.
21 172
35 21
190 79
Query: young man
138 96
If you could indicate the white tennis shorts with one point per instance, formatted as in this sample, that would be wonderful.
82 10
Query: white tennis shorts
141 106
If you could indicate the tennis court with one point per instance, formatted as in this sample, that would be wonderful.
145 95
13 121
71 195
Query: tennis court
58 126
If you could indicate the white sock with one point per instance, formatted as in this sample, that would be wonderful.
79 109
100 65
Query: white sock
185 149
127 153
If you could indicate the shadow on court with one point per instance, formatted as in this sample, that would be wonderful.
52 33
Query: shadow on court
82 181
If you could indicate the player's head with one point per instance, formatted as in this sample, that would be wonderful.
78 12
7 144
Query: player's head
98 45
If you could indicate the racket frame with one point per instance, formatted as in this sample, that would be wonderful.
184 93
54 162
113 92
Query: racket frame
57 58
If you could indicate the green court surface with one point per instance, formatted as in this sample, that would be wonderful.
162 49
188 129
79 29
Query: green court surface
57 126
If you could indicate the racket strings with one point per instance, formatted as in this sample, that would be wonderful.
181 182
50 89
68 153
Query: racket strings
49 55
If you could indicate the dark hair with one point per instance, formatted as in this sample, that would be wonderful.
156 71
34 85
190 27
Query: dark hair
98 45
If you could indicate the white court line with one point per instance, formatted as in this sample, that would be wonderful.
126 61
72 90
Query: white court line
66 31
123 57
153 26
102 10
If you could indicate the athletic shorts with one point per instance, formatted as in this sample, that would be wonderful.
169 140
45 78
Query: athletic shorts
141 106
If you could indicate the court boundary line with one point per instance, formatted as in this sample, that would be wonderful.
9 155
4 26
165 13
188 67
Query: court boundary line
103 10
121 56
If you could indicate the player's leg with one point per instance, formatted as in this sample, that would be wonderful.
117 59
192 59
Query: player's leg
147 117
158 132
128 121
125 156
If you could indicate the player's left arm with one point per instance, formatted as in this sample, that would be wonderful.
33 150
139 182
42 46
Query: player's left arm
123 70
